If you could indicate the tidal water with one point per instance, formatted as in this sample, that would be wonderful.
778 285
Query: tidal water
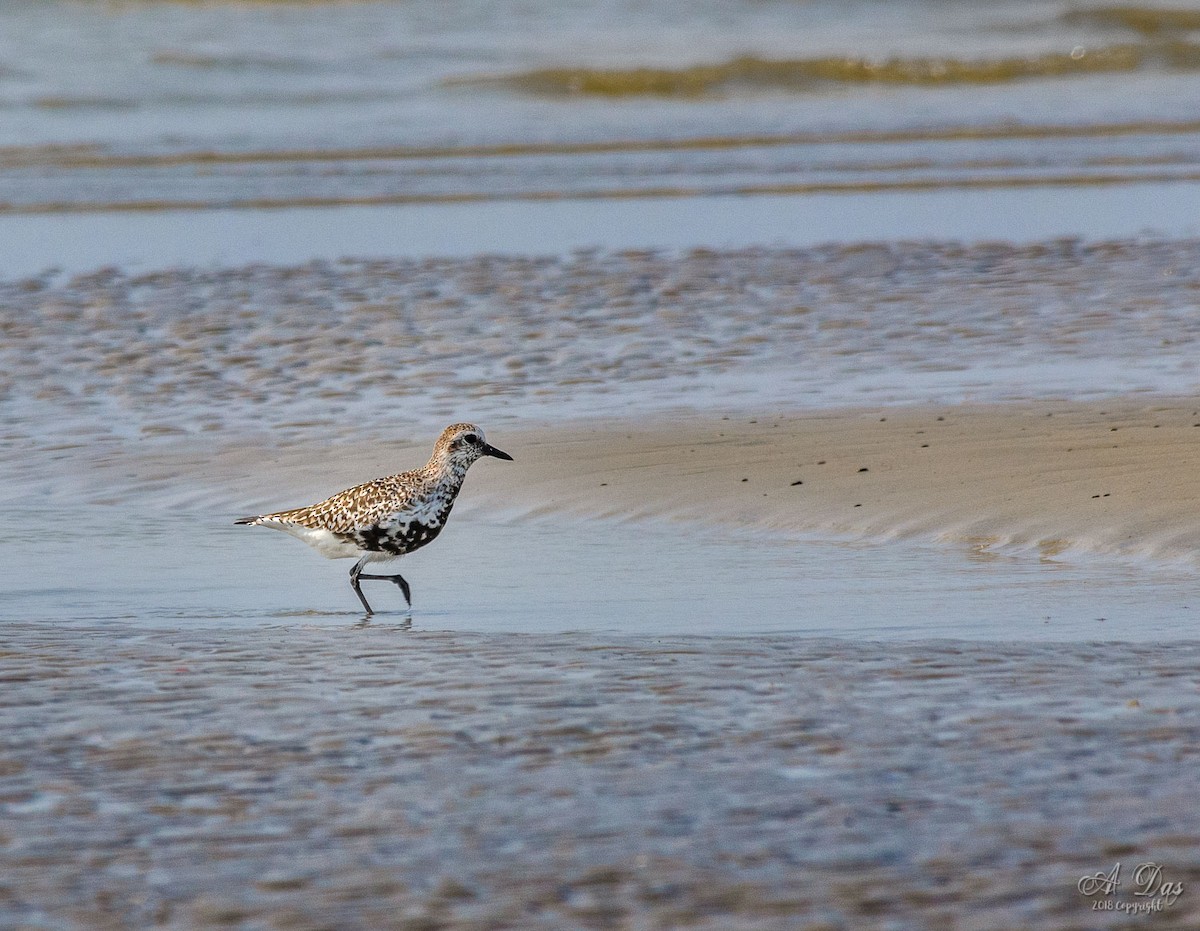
283 101
555 576
646 120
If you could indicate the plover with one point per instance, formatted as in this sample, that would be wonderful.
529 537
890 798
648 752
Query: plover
391 516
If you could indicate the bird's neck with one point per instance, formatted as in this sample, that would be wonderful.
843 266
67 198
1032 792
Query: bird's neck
447 473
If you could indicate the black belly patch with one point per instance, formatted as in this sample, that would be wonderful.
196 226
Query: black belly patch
395 541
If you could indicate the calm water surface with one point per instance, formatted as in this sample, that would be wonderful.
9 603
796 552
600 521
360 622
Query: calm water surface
552 577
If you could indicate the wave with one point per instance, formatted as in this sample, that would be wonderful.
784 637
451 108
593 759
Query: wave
1149 21
95 156
218 62
62 102
136 3
200 99
753 71
750 71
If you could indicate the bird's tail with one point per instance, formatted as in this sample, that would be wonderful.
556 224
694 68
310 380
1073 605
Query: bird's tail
248 520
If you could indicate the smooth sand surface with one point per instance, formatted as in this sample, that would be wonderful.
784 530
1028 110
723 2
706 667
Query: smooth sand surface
1120 478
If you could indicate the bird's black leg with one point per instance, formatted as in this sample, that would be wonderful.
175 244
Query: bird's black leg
355 574
398 579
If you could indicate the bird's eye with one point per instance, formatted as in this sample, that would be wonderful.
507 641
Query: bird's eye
470 438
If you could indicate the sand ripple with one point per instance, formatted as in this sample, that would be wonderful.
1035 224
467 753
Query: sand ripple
360 346
377 778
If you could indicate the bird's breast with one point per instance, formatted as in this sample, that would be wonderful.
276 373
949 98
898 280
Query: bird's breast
405 530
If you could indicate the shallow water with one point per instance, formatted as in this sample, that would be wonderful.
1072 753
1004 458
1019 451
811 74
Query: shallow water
143 241
555 576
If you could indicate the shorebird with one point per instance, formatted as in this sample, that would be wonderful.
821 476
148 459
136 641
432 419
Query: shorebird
388 517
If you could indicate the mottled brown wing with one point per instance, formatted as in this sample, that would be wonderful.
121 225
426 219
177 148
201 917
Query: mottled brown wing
355 508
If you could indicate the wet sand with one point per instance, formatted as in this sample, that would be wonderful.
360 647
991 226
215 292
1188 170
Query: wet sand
1116 478
365 778
388 349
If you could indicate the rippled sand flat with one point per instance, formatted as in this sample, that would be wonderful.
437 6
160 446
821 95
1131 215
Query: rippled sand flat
373 347
308 778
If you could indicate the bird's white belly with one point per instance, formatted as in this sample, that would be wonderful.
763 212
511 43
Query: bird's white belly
328 544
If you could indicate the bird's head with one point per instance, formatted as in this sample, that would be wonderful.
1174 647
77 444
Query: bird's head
462 443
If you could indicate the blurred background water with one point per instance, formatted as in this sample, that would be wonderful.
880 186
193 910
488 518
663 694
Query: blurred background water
616 107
